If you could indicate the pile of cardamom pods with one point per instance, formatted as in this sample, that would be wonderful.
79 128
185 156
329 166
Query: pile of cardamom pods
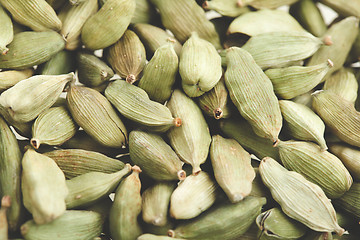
179 119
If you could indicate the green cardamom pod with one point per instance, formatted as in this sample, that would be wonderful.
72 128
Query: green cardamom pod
232 8
344 7
5 205
61 63
148 236
6 33
144 12
12 77
56 4
261 4
349 156
350 201
258 188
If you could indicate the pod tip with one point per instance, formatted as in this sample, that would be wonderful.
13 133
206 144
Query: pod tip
330 63
6 201
171 233
181 175
35 143
276 142
239 3
4 50
130 78
205 5
328 41
177 122
218 113
136 168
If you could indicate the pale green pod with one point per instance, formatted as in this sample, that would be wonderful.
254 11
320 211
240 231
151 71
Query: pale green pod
155 203
28 98
290 82
264 21
344 7
157 230
229 8
12 77
94 113
314 235
159 74
127 56
107 26
225 221
72 225
350 201
61 63
191 141
31 48
261 4
232 168
6 33
183 17
258 188
5 205
288 188
144 12
343 82
274 224
199 66
126 208
154 156
56 4
41 176
303 123
134 103
338 39
88 188
193 196
281 49
349 156
148 236
252 93
36 14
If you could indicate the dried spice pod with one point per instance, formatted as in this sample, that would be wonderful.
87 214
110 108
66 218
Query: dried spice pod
61 63
154 156
31 48
232 168
160 74
56 4
260 4
145 12
148 236
6 32
184 17
252 93
343 7
11 77
127 56
191 141
258 188
349 156
287 187
5 205
350 201
94 113
232 8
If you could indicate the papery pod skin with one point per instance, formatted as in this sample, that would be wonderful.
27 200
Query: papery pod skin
94 113
54 126
260 4
18 28
107 26
350 201
339 115
22 128
281 49
304 99
76 162
126 208
28 98
349 156
184 17
159 74
127 56
232 8
293 81
5 205
313 235
193 196
159 230
103 207
31 48
155 203
88 188
232 167
12 77
56 4
148 236
258 188
343 82
154 37
36 14
191 141
199 66
6 33
264 21
10 169
275 224
287 188
92 71
339 38
154 156
344 7
72 225
241 131
134 103
309 16
61 63
252 93
225 221
144 12
303 123
354 54
40 176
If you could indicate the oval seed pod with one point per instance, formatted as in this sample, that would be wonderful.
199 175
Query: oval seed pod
350 200
155 156
134 103
12 77
193 196
73 224
261 4
349 156
252 93
36 14
145 12
54 126
61 63
31 48
303 123
6 33
155 203
258 188
160 74
94 113
40 176
127 56
126 208
232 8
107 26
287 188
232 167
56 4
343 7
191 141
5 205
225 221
148 236
28 98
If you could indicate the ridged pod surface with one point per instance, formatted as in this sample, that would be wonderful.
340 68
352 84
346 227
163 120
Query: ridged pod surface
6 32
344 7
349 156
229 8
148 236
145 12
261 4
62 62
350 201
12 77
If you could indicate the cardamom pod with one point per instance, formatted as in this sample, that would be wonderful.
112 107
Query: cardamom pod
343 7
144 12
349 156
5 205
261 4
61 63
232 8
350 200
148 236
12 77
6 33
